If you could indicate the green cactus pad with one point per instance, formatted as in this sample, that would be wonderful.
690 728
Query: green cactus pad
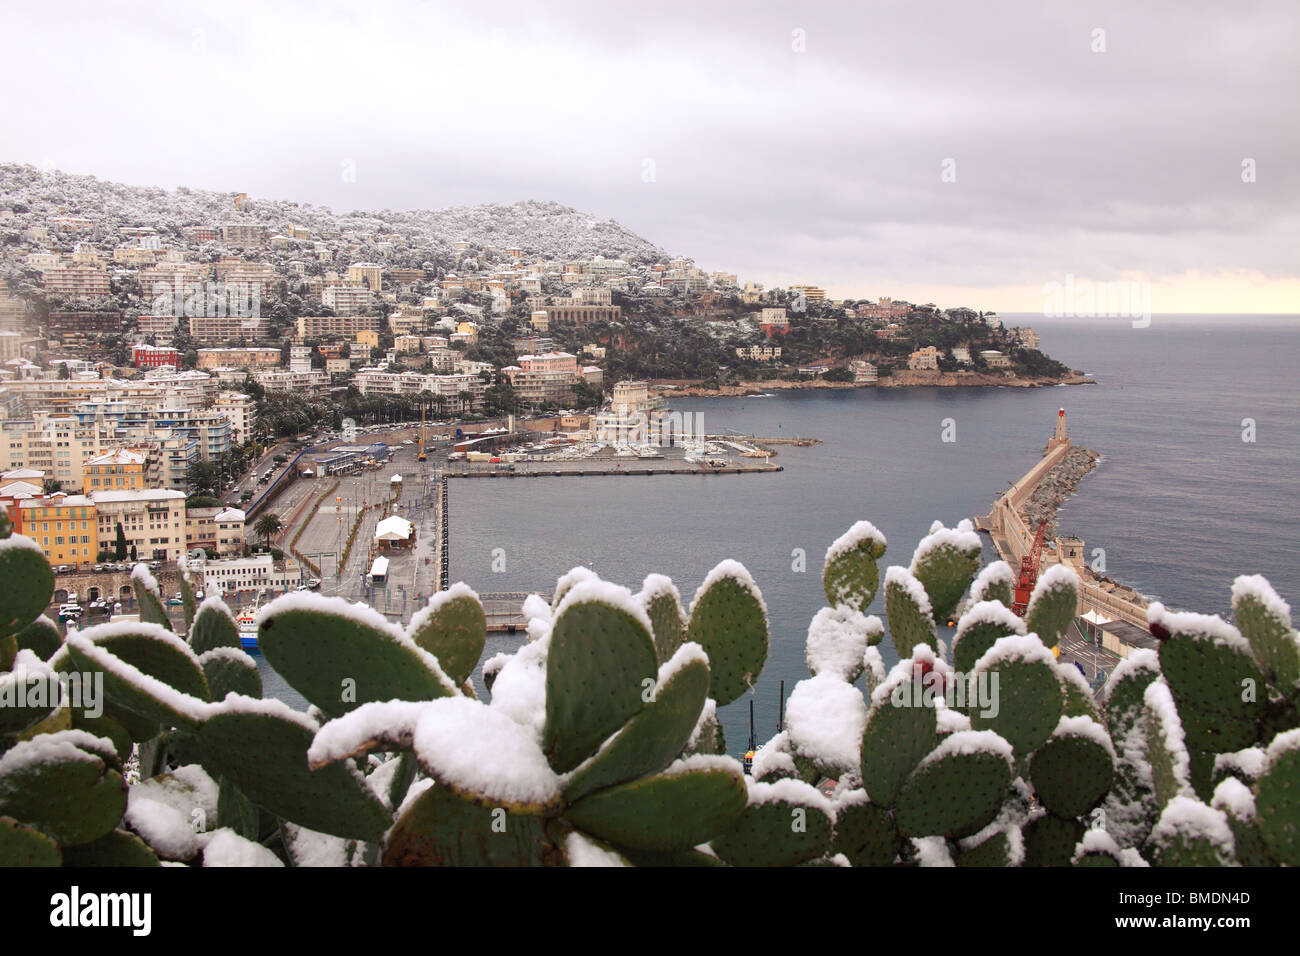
945 562
864 832
8 651
1124 692
958 788
650 740
41 637
261 746
453 628
663 605
439 828
674 859
213 627
21 559
1076 696
1166 746
1237 802
115 849
600 659
978 630
1277 799
1216 682
229 670
995 583
60 719
1050 840
1265 622
1028 693
784 824
1073 771
690 803
339 656
21 845
137 728
911 621
1003 847
236 812
26 699
729 620
146 670
708 736
147 597
1189 833
899 734
1053 604
187 599
850 575
106 727
63 785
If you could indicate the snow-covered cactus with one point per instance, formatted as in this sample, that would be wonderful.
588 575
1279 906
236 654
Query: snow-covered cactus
945 562
850 575
729 620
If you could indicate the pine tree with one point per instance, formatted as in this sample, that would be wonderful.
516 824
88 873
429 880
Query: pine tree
119 547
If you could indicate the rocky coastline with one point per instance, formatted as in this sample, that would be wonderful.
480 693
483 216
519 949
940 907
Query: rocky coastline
900 379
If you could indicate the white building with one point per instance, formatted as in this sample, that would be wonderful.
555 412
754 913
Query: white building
152 519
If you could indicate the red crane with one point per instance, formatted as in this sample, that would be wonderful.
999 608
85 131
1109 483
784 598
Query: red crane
1029 572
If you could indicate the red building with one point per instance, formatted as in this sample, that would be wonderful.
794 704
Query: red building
152 356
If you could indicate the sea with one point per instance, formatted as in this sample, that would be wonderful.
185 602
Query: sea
1195 418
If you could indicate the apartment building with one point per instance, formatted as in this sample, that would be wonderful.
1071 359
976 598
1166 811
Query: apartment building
243 234
216 529
239 358
276 380
347 299
152 519
369 275
60 447
64 526
77 280
155 356
347 326
219 329
119 470
924 359
462 392
240 410
232 575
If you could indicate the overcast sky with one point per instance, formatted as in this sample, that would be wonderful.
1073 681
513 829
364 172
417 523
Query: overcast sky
789 142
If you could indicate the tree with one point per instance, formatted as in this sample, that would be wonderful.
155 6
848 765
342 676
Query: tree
267 527
119 546
133 556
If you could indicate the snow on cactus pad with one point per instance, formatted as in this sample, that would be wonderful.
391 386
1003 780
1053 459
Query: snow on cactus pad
440 828
1189 833
1053 604
483 756
1027 695
945 562
1215 680
1277 799
663 605
601 658
1265 621
850 576
340 655
261 746
1073 771
690 803
825 718
228 670
213 627
783 824
900 731
996 582
1123 695
453 628
1166 746
907 606
64 785
729 620
21 559
838 638
958 788
978 629
147 670
41 637
650 740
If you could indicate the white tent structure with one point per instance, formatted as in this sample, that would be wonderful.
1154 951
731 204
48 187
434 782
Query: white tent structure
393 531
379 570
395 480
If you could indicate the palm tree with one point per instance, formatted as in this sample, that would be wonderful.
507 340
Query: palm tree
267 527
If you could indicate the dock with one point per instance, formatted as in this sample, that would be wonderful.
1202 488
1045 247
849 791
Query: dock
504 610
604 471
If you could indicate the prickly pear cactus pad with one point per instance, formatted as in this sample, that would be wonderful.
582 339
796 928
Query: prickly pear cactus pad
1098 848
1277 800
261 746
1076 693
825 718
1189 833
864 832
957 789
149 597
838 639
1237 802
691 802
945 562
1123 696
22 845
21 559
650 740
998 844
663 605
214 626
41 637
453 628
1265 621
439 828
1027 697
729 620
900 731
784 824
1050 840
911 620
147 670
1167 756
978 629
568 580
340 655
850 576
64 785
1216 682
28 696
600 663
1073 771
996 582
228 670
1053 604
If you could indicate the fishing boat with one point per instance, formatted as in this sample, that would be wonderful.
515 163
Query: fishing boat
247 623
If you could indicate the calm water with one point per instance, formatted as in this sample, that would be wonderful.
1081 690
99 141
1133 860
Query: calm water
1180 503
